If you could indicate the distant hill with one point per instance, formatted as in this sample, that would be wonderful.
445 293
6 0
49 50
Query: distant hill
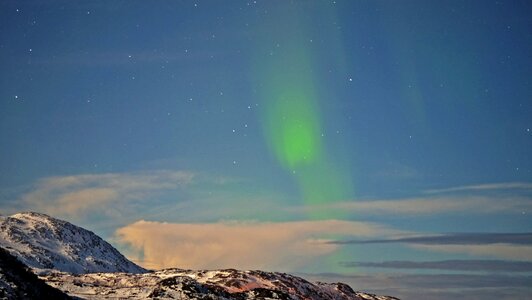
228 284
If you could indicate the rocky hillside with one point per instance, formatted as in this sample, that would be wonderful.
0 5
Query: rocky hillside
18 282
43 242
188 284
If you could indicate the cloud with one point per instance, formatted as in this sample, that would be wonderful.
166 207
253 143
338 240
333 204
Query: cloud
500 251
80 194
450 265
430 205
244 245
512 246
484 187
454 239
510 197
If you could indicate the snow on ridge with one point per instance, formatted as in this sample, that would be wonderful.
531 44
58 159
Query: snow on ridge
227 284
43 242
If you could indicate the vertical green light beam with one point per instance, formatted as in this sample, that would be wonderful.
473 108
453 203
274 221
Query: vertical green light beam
291 118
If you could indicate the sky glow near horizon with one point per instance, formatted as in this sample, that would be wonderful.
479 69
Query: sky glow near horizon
313 137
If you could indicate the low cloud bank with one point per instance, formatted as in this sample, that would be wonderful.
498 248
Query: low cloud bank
450 265
511 246
243 245
454 239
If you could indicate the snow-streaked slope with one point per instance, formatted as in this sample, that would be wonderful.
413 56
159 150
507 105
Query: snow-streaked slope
43 242
188 284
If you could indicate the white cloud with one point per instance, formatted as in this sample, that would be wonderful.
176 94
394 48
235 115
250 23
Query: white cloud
430 205
485 187
413 206
504 251
80 194
243 245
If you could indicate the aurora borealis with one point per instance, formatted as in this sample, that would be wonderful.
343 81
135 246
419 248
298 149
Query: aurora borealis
292 118
352 141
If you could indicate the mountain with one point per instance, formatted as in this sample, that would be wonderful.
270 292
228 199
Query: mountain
43 242
181 284
82 265
18 282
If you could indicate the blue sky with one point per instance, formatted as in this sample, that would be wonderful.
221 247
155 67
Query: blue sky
303 124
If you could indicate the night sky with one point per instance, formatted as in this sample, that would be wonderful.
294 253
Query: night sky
385 144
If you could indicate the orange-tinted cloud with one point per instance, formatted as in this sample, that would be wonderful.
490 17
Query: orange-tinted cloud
243 245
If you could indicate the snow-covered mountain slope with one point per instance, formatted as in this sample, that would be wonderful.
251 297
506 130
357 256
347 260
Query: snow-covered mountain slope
43 242
188 284
17 282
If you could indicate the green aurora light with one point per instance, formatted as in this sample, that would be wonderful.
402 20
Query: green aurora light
291 116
